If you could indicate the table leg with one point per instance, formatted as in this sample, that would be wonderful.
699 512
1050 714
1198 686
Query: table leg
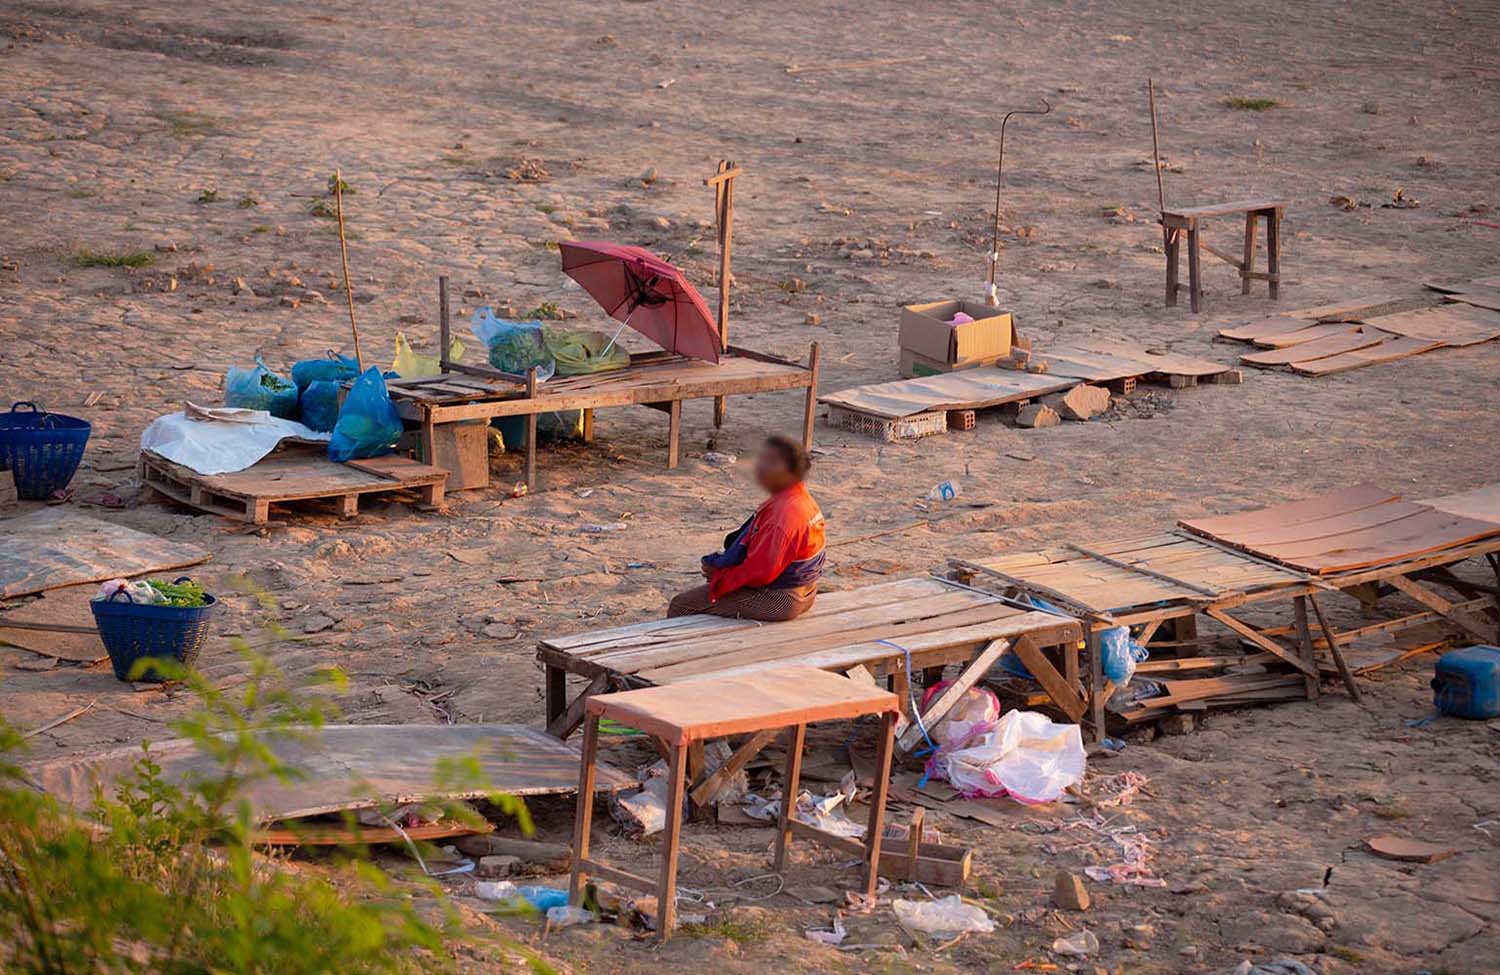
796 738
1333 649
556 692
876 825
1273 251
674 432
583 820
1174 260
1195 282
671 836
588 426
721 411
1304 644
1249 265
1096 681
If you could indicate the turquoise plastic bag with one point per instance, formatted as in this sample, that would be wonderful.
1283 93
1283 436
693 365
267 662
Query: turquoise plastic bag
368 425
320 404
330 369
260 389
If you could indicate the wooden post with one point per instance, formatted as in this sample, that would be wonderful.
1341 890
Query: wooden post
531 432
556 692
1273 251
1096 678
876 824
796 738
671 836
1333 649
444 324
583 819
1250 220
1195 286
1174 263
723 183
810 407
1304 642
674 432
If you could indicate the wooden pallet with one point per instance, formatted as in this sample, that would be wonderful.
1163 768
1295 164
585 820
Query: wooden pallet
291 474
1121 364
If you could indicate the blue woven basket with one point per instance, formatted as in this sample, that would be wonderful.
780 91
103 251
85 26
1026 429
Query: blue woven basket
42 449
150 631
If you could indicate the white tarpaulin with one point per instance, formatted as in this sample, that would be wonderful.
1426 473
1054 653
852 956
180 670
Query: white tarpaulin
231 441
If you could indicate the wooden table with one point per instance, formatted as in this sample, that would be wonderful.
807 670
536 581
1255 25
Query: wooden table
454 408
1359 541
683 715
1189 220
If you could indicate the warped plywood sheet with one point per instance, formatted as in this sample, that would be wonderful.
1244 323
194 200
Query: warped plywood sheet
966 389
1482 503
1349 340
1483 297
68 606
1311 333
1454 324
1354 528
1103 359
1388 351
353 767
1264 328
56 547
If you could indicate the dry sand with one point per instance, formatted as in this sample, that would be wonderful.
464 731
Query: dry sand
476 133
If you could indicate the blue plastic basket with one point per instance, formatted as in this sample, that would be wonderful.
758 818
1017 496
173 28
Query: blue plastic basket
141 631
42 449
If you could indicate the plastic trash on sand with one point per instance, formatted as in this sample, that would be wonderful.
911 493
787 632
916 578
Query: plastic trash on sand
1077 944
368 425
1120 654
1026 756
567 915
942 918
411 364
513 347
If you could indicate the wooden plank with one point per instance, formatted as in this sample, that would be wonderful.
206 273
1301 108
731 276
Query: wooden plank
1065 697
1482 503
1478 295
1333 649
1430 531
567 722
1225 209
1343 500
1264 328
1311 333
951 694
1144 570
707 791
1331 527
1151 360
1449 611
1265 643
966 389
1451 324
54 547
336 834
1390 350
1349 340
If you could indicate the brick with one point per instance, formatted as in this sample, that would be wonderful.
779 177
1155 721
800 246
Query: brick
1069 892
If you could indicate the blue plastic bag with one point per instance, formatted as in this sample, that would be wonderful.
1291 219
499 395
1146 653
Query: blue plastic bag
320 404
513 347
1120 654
330 369
260 389
367 425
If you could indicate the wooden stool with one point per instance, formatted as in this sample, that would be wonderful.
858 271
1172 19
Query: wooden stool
679 716
1176 222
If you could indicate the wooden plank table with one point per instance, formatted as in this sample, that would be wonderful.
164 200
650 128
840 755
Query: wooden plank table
441 405
1188 221
681 716
1356 541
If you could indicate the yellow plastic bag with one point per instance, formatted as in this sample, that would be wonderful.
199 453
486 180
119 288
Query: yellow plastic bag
411 364
581 352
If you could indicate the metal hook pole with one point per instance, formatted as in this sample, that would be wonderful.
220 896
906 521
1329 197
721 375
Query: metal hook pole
991 297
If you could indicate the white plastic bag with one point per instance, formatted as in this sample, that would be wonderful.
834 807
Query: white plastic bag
944 918
1026 756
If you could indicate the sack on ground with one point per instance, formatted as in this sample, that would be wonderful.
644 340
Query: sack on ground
367 425
260 389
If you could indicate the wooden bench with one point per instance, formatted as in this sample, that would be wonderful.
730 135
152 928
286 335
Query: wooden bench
1189 220
680 716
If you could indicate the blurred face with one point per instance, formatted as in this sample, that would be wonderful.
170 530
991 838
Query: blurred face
771 471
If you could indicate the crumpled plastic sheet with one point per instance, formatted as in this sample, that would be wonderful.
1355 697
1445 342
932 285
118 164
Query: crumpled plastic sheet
945 917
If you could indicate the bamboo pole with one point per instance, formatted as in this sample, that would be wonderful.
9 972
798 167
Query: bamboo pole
338 197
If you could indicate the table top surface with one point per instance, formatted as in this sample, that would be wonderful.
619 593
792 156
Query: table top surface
717 706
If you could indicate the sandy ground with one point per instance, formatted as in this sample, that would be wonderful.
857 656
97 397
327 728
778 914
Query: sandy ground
476 133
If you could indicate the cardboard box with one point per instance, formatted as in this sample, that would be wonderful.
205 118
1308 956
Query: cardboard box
915 365
925 331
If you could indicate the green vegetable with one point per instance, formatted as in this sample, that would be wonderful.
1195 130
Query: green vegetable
274 383
185 594
517 349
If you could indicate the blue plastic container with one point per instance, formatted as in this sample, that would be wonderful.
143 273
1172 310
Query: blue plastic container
1467 684
42 449
132 632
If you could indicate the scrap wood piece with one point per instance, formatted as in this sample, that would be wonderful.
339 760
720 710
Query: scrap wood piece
1348 341
707 791
567 722
1266 327
57 624
58 722
1064 695
298 833
1482 503
1411 851
1228 528
1266 643
955 690
966 389
1453 324
56 547
1390 350
1311 333
1452 612
1151 360
1480 296
351 767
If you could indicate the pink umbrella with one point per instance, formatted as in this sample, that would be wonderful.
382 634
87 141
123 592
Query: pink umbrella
640 289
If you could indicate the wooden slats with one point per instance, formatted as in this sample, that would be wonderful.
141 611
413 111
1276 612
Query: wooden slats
1347 340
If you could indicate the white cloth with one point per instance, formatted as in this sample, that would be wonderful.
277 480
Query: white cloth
222 446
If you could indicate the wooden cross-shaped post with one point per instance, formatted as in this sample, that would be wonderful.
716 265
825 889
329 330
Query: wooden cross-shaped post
723 183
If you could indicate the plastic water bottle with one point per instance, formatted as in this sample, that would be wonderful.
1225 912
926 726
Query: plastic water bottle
946 491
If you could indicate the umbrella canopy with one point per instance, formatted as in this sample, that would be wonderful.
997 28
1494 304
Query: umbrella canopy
636 287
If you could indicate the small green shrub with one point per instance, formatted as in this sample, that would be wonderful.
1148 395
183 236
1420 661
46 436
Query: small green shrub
88 258
1240 104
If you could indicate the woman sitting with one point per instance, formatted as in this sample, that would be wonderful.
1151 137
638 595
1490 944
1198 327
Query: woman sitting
770 565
